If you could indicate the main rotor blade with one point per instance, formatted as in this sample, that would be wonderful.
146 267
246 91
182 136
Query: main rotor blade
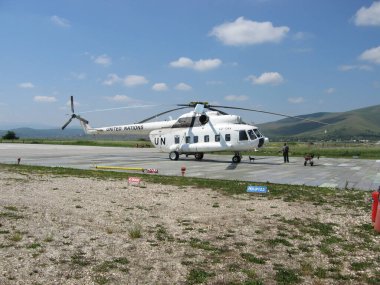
72 104
157 115
213 109
272 113
68 122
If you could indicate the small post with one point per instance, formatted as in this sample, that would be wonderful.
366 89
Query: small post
183 170
18 160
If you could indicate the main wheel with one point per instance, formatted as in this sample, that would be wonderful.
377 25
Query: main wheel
236 159
198 156
174 155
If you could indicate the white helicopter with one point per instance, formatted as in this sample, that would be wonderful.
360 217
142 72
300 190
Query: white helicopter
193 133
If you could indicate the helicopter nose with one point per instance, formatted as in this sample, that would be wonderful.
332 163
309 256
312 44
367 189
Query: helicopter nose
263 141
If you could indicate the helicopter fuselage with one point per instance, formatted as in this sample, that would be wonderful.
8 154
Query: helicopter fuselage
193 133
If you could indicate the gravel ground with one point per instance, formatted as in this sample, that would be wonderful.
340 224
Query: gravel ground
70 230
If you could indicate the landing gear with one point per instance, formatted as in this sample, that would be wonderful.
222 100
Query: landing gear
199 156
236 158
174 155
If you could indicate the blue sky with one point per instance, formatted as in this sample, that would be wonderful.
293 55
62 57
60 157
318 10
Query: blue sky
287 56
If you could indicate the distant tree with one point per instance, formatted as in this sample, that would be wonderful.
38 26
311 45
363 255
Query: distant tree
10 135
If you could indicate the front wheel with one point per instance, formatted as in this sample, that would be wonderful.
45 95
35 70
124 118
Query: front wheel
174 155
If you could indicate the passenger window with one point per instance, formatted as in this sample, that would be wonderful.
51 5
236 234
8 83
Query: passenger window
187 139
206 138
176 139
243 135
227 137
195 139
217 138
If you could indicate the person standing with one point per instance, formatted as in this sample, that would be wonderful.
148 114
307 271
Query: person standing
285 153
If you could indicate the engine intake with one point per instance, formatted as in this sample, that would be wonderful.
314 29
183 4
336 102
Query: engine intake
203 119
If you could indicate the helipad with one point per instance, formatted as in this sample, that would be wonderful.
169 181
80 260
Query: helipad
327 172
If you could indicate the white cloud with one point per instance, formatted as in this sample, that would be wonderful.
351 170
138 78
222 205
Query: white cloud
26 85
330 90
79 76
296 100
236 98
355 67
44 99
120 98
103 59
133 80
299 36
273 78
60 22
246 32
200 65
183 87
160 87
371 55
368 16
112 78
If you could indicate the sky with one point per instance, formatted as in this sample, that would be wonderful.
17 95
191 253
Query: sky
286 56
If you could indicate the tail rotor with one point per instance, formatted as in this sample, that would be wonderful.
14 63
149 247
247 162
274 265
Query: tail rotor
73 115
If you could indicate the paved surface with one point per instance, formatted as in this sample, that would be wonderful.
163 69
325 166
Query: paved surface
327 172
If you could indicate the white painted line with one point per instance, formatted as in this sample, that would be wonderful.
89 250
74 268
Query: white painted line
356 168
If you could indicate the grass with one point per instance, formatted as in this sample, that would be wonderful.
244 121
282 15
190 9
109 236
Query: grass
135 232
289 193
253 259
207 258
197 276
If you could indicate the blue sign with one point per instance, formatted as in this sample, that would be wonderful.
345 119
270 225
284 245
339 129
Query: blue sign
257 189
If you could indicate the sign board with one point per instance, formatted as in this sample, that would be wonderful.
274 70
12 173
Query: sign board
134 180
257 189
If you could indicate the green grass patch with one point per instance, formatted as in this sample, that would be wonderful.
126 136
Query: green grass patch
135 232
251 258
197 276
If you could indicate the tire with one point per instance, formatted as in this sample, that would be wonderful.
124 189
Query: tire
304 163
236 159
174 155
199 156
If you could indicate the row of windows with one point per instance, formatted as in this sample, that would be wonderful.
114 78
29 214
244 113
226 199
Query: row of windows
243 136
206 138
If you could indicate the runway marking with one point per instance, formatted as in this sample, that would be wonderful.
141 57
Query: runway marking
327 164
356 168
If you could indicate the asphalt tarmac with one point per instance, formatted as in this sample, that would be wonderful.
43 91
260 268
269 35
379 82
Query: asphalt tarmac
327 172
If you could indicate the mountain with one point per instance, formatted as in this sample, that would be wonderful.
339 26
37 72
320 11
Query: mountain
24 133
356 124
69 133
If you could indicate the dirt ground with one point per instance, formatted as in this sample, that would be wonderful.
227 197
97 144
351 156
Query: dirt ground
70 230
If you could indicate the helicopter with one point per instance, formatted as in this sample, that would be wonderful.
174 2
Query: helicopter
203 130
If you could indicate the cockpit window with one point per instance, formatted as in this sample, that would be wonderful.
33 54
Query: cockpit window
258 134
243 135
251 135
